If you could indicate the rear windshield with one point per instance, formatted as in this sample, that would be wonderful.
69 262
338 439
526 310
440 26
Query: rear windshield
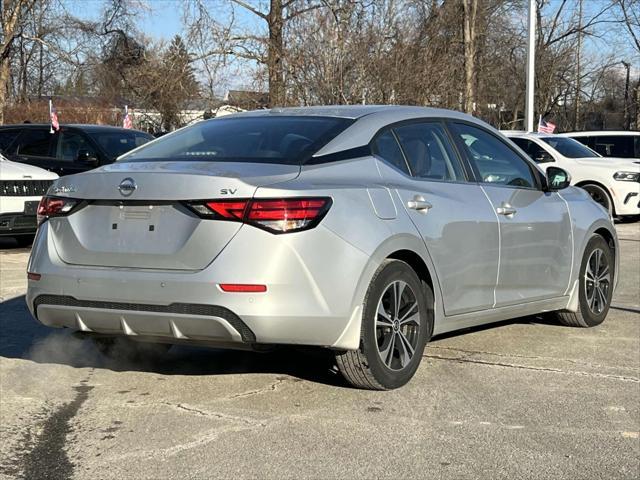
119 142
569 147
287 140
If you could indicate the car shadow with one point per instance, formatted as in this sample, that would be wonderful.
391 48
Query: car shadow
542 319
22 337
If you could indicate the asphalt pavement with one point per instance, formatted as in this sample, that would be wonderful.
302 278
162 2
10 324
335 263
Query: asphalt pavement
520 399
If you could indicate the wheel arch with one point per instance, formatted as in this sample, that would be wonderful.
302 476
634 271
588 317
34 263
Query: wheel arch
584 183
416 262
606 230
409 249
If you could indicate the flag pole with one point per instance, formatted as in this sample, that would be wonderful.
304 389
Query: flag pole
50 110
531 59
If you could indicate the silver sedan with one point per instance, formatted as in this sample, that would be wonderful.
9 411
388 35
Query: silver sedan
365 230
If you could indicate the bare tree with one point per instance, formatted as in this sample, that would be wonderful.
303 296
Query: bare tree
12 15
266 49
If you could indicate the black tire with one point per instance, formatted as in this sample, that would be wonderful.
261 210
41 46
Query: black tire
600 195
25 240
365 367
587 315
119 348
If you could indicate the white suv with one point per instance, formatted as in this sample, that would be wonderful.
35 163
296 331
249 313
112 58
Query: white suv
21 187
612 182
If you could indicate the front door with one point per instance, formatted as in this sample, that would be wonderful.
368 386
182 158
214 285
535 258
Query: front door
536 244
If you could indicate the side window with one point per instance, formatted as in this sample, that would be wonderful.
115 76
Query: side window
535 151
492 159
610 146
70 144
6 138
34 142
387 148
428 152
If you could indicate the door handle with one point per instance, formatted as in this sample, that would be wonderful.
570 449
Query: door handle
506 210
419 203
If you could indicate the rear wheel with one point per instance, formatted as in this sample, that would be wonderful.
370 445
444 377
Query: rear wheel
600 195
25 240
396 324
119 348
595 286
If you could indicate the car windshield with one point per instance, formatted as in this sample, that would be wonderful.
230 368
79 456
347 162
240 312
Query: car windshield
569 147
115 143
262 139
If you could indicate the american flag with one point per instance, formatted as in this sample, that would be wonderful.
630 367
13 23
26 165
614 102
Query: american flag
545 127
53 115
127 122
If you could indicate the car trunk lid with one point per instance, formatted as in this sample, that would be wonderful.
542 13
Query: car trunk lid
148 226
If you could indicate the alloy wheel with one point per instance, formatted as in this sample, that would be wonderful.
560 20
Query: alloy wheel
597 283
397 325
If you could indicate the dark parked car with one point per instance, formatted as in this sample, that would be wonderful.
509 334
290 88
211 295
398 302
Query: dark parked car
72 149
619 144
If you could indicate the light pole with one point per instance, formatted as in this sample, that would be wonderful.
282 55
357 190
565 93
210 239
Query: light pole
531 71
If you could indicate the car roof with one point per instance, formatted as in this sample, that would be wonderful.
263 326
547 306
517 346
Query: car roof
601 133
370 119
522 134
354 111
80 126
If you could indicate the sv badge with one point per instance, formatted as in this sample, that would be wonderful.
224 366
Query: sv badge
228 191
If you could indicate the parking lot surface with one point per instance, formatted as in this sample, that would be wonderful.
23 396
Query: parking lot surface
521 399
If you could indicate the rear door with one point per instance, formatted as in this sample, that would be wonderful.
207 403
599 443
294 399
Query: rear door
453 216
535 228
36 146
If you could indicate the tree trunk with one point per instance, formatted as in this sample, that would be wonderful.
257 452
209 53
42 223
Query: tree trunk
470 51
274 58
10 15
5 73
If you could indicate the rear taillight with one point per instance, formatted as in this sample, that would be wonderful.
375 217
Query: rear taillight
55 207
276 215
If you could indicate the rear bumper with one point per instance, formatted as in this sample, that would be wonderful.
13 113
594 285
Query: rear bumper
176 321
308 300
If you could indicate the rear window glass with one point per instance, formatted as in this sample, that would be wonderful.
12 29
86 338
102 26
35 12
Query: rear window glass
269 139
615 146
117 143
34 142
6 138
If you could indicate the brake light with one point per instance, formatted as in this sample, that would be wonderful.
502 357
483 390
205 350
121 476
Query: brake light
280 215
55 207
229 210
242 288
33 276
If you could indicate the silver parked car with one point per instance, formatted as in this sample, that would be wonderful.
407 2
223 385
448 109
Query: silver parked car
365 230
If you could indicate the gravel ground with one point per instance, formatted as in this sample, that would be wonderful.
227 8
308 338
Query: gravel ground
521 399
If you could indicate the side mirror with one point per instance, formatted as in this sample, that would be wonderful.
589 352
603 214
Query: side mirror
86 157
557 179
544 157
